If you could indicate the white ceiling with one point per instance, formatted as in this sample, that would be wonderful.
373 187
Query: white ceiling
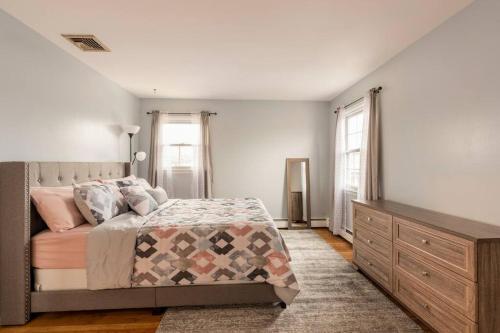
237 49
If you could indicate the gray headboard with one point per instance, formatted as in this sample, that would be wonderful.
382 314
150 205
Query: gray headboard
19 221
65 173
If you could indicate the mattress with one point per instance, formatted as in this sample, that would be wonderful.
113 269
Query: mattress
61 250
75 279
60 279
185 242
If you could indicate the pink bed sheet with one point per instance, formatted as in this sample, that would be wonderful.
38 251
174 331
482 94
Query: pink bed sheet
66 249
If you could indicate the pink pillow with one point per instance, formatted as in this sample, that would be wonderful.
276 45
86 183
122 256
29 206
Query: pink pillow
56 206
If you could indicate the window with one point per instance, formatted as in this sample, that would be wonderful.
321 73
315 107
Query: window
354 131
179 142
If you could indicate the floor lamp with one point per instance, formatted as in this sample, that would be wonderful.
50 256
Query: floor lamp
131 130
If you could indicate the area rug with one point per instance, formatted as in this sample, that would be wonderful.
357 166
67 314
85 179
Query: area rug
333 298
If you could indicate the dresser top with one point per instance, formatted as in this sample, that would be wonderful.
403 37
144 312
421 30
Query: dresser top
458 226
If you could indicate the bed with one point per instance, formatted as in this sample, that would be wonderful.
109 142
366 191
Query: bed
35 278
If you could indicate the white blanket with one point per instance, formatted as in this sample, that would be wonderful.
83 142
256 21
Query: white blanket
111 250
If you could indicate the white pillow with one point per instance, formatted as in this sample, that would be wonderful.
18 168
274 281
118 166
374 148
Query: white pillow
159 194
144 183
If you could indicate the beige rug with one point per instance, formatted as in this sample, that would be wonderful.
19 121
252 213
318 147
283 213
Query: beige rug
333 298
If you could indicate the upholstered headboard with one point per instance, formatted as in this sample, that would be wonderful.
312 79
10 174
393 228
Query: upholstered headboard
19 221
65 173
49 174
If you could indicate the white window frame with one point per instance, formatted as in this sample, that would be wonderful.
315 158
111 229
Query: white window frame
357 109
178 168
351 111
181 168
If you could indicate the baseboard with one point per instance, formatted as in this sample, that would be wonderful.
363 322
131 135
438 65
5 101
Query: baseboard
315 223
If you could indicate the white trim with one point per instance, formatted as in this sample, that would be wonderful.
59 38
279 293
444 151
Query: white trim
353 108
315 223
345 235
182 169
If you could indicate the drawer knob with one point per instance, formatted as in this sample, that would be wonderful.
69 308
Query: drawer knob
370 264
425 241
424 273
369 241
425 306
369 219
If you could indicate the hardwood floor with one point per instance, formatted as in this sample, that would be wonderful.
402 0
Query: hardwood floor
135 320
336 242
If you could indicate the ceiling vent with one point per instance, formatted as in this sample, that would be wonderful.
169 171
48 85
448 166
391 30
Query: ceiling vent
87 43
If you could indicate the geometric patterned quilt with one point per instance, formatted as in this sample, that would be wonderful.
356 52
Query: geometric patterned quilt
205 241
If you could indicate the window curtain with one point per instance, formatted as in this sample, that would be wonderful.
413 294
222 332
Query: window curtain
369 185
339 176
154 172
206 154
370 149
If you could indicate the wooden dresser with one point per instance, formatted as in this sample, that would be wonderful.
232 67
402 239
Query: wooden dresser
445 269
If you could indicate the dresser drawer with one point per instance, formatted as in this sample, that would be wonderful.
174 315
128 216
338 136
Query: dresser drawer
373 241
378 268
453 289
452 252
431 309
373 220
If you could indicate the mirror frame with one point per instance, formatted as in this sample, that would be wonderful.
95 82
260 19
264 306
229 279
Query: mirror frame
289 162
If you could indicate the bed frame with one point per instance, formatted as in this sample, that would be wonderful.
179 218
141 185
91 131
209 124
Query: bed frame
19 221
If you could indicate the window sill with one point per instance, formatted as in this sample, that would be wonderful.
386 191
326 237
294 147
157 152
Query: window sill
179 170
350 191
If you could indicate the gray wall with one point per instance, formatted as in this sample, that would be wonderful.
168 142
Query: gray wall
53 107
441 117
252 139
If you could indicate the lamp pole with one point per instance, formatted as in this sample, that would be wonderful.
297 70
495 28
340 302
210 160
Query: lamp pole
130 150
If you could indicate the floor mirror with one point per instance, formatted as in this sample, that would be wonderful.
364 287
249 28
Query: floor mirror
298 192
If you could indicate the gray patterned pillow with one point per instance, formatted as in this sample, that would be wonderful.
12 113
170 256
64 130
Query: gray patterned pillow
139 200
99 203
120 182
125 183
131 182
120 200
159 194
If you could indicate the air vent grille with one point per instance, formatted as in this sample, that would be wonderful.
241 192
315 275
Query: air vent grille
87 43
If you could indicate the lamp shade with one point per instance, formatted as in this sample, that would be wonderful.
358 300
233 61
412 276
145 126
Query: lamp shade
131 129
140 156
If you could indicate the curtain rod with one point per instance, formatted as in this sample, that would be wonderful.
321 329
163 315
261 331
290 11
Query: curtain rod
182 113
376 90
